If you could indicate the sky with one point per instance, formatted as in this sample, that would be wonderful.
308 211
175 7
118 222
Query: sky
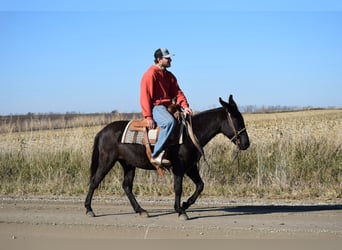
78 56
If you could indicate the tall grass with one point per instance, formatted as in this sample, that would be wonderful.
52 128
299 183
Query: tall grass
295 155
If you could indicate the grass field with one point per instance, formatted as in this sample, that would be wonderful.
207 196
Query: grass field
293 155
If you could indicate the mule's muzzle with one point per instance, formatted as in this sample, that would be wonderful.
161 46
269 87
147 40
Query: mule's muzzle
243 141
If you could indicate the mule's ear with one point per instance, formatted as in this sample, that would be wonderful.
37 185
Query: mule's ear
231 101
223 103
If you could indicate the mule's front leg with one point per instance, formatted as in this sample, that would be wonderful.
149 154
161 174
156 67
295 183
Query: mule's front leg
196 178
178 187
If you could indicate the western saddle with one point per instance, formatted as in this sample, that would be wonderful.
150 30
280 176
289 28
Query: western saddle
136 131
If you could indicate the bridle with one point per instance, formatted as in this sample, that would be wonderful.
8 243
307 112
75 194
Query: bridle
236 137
237 133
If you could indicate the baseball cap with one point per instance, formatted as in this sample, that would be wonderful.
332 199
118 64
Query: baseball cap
162 52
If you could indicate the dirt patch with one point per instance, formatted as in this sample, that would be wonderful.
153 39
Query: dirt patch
219 219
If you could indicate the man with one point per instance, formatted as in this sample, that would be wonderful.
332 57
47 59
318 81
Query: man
157 90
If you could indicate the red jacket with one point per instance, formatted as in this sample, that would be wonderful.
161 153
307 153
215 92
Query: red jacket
159 87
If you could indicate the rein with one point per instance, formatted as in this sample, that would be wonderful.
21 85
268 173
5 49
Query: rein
188 124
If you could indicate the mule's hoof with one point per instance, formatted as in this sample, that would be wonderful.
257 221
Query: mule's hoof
183 217
90 214
144 214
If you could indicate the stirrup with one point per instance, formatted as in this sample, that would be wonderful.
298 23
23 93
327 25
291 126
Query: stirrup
160 161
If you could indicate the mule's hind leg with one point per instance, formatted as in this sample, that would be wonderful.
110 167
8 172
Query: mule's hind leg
95 180
127 185
193 173
87 203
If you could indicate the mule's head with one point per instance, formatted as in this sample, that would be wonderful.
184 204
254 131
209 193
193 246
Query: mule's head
234 126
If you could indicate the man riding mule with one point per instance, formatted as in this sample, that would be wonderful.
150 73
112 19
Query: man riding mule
108 149
159 87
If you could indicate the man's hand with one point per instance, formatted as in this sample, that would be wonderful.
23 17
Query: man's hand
150 124
188 111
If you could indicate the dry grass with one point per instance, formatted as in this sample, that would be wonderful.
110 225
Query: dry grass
295 155
292 155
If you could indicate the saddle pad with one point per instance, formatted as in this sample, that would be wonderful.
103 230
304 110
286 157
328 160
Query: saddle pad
135 132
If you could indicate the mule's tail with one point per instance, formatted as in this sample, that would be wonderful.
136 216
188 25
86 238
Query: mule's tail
95 157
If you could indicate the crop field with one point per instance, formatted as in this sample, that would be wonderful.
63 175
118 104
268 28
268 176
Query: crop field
293 155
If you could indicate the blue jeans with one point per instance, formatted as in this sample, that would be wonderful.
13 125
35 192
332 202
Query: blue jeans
166 122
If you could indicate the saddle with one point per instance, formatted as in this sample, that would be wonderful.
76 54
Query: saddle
137 132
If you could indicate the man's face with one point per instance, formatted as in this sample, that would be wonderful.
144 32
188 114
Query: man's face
165 62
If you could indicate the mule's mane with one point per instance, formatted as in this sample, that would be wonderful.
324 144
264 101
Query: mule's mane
207 112
206 124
